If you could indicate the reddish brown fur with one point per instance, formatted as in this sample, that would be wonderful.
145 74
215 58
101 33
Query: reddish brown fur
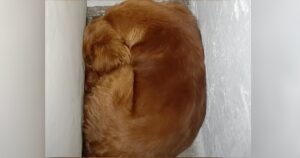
145 81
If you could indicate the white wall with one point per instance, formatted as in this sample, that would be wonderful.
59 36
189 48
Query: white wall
226 32
276 72
22 79
65 22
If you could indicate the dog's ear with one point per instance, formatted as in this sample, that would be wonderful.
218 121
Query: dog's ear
96 32
103 48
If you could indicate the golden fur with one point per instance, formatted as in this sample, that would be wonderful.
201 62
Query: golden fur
145 90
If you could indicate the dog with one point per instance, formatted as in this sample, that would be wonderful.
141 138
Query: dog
145 86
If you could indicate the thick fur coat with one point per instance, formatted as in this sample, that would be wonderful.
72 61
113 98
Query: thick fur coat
145 90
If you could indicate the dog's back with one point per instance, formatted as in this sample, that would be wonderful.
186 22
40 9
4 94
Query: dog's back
146 90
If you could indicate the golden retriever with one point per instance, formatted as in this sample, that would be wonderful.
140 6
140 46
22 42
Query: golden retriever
145 88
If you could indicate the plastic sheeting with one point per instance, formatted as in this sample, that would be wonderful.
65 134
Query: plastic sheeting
226 33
